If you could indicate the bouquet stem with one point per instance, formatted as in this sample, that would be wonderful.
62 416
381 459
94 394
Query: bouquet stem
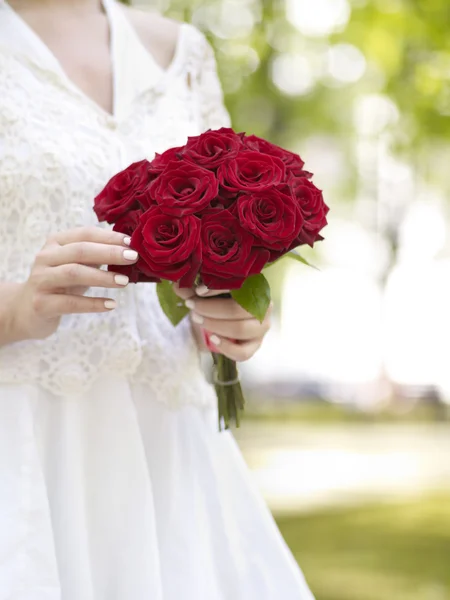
228 389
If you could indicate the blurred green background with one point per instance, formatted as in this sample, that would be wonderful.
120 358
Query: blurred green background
347 430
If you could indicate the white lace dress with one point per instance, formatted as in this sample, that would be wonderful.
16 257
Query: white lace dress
114 481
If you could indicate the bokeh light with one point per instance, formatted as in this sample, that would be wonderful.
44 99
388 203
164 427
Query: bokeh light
318 18
226 19
373 113
293 74
346 63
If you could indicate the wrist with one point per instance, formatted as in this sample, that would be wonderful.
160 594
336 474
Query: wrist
11 324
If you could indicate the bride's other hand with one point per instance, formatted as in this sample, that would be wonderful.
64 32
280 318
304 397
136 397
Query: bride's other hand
64 269
221 325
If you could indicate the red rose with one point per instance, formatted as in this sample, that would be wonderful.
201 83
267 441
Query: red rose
292 161
155 168
135 273
272 216
160 162
119 195
184 189
314 210
303 174
169 247
228 252
212 148
128 223
224 200
251 172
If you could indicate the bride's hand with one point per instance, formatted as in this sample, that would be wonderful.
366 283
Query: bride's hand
230 330
64 269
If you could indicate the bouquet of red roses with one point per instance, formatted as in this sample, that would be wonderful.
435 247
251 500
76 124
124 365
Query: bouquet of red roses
216 211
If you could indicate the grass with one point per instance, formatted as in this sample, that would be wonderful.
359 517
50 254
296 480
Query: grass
379 552
322 413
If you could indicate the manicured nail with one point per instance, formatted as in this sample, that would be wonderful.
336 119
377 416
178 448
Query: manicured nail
197 319
127 241
190 304
215 340
110 304
121 279
130 254
202 290
207 339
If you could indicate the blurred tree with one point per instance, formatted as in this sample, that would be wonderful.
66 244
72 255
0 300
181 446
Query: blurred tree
405 44
408 41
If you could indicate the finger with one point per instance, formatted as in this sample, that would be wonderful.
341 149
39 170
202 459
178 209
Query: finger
184 293
217 308
75 275
237 352
90 234
56 305
243 329
86 253
205 292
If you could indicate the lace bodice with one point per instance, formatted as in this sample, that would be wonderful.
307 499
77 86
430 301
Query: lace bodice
57 150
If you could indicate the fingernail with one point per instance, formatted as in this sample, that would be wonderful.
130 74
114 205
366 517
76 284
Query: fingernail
201 290
127 241
121 279
197 319
207 340
190 304
130 254
215 340
110 304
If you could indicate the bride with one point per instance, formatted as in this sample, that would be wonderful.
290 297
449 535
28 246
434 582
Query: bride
114 481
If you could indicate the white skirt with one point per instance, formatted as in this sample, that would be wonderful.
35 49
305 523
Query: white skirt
113 496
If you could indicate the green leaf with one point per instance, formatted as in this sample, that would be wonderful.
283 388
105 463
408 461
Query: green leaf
254 296
296 256
172 305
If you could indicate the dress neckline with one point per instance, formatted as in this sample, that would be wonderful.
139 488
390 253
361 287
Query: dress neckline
126 50
46 55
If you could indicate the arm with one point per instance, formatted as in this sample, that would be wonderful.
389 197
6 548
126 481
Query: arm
9 293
